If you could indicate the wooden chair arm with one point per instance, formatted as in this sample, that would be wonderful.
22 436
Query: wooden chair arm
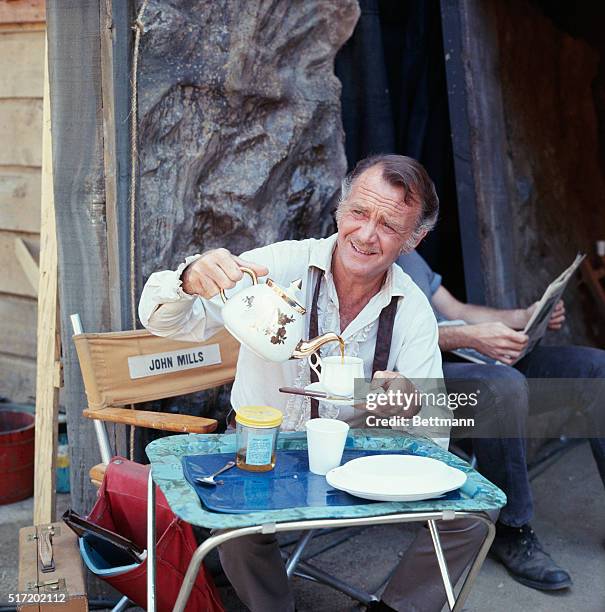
97 473
181 423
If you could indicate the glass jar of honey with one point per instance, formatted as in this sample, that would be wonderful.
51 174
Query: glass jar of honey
256 437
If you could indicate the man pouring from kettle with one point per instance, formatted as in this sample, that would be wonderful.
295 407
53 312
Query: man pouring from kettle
354 288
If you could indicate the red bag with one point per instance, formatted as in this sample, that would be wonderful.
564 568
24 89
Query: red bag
122 507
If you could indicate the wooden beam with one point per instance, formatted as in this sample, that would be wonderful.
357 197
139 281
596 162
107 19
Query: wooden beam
28 263
115 19
49 350
110 161
468 221
116 34
486 115
470 34
79 195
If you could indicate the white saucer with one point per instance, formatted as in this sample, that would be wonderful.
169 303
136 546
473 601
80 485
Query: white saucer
396 478
337 401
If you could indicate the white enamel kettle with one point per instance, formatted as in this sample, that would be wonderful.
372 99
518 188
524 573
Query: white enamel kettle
270 320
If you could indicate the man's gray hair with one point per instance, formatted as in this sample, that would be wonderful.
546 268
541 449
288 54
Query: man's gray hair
404 172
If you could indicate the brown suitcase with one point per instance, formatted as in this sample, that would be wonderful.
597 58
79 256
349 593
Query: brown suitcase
51 576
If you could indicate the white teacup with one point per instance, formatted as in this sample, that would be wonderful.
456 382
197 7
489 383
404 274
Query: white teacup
338 375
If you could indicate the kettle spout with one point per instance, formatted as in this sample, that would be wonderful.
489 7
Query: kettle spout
306 347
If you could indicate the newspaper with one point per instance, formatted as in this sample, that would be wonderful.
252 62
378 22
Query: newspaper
538 323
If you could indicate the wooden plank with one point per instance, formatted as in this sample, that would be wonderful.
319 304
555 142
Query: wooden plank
20 199
461 147
13 279
18 378
21 132
115 36
7 28
18 320
488 148
21 64
110 161
22 11
79 193
49 348
27 262
117 17
28 565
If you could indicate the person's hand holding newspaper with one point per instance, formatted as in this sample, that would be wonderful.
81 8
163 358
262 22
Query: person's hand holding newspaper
557 318
498 341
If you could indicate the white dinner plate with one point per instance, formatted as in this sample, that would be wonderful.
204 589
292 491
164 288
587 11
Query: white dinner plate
396 478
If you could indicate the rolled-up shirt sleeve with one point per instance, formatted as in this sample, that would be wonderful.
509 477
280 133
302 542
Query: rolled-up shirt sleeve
434 282
166 310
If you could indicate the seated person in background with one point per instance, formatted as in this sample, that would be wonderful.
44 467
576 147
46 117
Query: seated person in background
387 205
492 332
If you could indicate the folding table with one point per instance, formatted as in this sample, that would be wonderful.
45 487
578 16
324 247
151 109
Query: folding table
478 497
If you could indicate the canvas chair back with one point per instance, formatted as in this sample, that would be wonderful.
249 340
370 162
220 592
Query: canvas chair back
121 368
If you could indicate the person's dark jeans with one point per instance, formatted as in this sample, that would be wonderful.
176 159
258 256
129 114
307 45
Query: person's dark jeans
503 460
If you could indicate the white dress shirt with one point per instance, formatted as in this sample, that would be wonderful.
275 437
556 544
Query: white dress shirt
414 347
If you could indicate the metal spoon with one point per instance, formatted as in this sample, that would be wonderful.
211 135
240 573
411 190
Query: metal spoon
209 480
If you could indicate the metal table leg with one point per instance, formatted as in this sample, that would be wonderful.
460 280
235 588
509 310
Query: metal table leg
151 552
215 540
479 559
445 575
198 556
294 558
121 605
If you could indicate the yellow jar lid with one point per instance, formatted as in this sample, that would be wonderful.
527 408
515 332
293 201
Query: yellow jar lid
258 416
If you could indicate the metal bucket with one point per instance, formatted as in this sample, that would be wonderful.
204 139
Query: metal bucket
16 455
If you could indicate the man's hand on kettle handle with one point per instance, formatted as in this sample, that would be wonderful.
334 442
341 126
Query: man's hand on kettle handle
215 270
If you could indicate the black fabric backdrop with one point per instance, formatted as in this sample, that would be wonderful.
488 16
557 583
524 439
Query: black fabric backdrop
394 100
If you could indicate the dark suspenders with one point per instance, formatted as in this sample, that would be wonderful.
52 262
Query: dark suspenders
383 337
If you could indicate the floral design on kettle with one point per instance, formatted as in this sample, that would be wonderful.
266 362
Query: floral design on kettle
278 336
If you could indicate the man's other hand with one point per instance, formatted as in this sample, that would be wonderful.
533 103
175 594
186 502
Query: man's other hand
557 317
397 387
497 341
215 270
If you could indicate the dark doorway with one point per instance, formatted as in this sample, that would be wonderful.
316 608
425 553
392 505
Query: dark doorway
394 100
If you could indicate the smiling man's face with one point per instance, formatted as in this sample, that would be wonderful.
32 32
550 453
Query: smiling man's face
374 224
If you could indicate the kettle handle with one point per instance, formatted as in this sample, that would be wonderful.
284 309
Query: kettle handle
250 273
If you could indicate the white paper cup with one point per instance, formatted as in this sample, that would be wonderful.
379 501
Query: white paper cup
325 442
